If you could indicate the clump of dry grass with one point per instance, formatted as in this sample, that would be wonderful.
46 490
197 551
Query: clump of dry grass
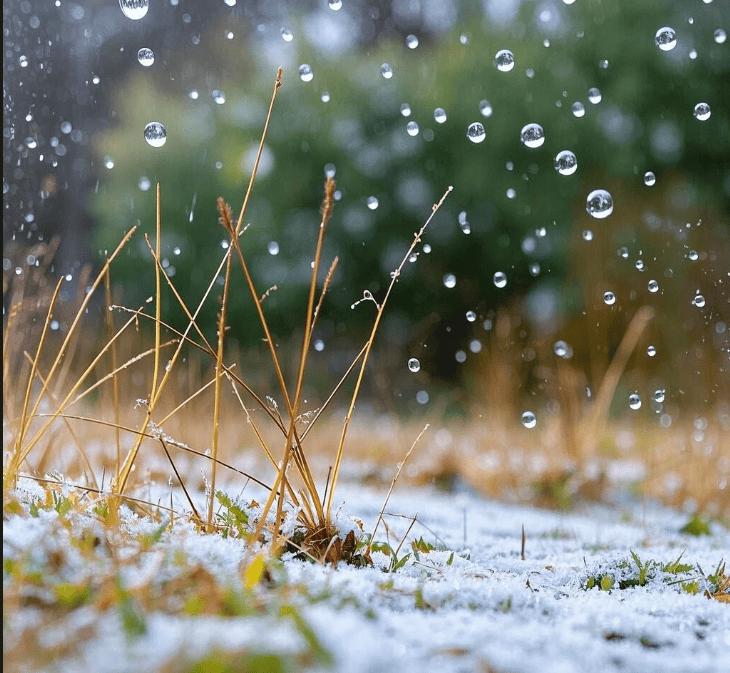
50 395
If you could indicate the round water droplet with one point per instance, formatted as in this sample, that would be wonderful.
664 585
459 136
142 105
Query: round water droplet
698 300
386 70
529 420
144 183
693 255
155 134
325 97
566 163
218 96
639 264
594 96
500 279
134 9
651 351
720 36
653 286
464 223
405 109
587 235
471 316
31 143
193 95
286 34
535 269
599 204
532 136
649 179
485 107
414 365
578 109
449 280
562 349
504 60
439 114
702 112
412 128
146 57
318 345
475 132
305 72
372 202
411 41
108 162
609 298
335 5
273 248
666 38
659 395
634 401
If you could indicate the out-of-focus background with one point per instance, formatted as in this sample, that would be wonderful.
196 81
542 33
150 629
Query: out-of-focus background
78 173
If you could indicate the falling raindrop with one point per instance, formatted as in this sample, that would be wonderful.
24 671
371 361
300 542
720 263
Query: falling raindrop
529 420
155 134
594 96
578 109
411 41
698 300
587 235
499 279
659 394
414 365
405 109
532 136
134 9
720 36
108 162
702 112
449 280
305 72
325 97
651 351
653 286
666 38
609 298
504 60
566 162
273 248
286 34
485 107
439 114
218 96
475 132
693 255
335 5
144 183
634 401
318 345
386 70
471 316
599 204
146 57
649 179
412 128
372 202
464 222
562 349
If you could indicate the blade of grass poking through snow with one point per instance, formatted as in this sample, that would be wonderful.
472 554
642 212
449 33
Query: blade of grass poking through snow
20 455
24 422
217 385
392 486
368 347
115 380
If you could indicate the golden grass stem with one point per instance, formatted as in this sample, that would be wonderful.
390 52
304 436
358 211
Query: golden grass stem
109 315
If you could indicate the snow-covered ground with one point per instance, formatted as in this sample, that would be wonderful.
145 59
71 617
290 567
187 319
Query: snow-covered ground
469 604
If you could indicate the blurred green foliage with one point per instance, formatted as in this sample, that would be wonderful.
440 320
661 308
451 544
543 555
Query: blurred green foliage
643 122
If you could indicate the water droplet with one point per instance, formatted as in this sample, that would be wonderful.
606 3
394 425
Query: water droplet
218 96
193 95
594 96
305 72
146 57
578 109
693 255
386 70
634 401
449 280
563 349
414 365
134 9
412 128
144 183
471 316
475 132
599 204
499 279
335 5
325 97
666 38
698 300
532 136
566 163
659 394
603 64
318 345
273 248
535 269
66 127
529 420
720 36
485 107
692 54
31 143
653 286
286 34
405 109
439 114
639 264
702 112
464 222
422 397
411 41
651 351
649 179
609 298
372 202
587 235
504 60
155 134
108 162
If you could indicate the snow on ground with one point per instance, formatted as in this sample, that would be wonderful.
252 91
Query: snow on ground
470 604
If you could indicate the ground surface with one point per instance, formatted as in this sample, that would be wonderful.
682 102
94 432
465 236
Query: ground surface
176 602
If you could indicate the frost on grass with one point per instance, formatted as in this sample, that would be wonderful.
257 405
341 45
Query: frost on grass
454 595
